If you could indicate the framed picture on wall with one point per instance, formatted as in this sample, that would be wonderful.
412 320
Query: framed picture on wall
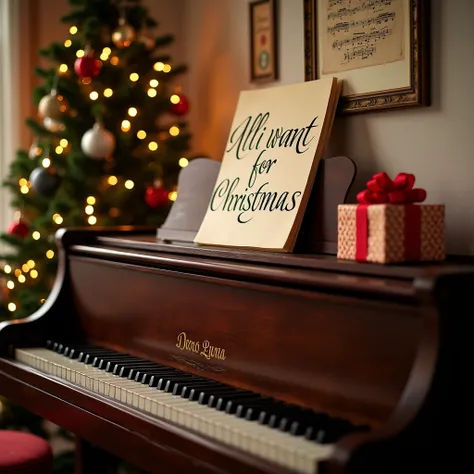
263 41
379 48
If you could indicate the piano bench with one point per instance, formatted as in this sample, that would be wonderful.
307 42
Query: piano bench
24 453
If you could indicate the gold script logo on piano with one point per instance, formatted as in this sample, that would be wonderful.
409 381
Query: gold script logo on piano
203 348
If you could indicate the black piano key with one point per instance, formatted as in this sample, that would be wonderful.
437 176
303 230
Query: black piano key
291 414
230 404
125 370
98 350
100 361
144 376
321 437
110 364
228 401
186 388
281 416
59 348
310 433
130 361
317 434
157 375
182 389
170 384
73 351
87 356
296 428
250 414
136 374
229 393
63 347
251 409
298 423
272 414
203 395
167 382
262 402
211 392
285 424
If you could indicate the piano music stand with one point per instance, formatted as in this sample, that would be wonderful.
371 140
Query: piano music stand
318 233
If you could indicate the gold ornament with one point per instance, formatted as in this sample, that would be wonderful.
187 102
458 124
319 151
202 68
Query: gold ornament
52 106
123 35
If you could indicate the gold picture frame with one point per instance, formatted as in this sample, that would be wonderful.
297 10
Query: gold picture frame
394 84
263 41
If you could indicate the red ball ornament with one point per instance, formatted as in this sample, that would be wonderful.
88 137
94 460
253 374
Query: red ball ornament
18 228
88 66
182 107
156 197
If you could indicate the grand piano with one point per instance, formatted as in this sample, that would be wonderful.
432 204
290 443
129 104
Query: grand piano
180 359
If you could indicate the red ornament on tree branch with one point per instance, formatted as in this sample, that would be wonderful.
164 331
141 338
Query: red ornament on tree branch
88 66
180 108
19 228
156 196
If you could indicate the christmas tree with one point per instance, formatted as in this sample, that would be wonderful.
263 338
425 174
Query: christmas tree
110 140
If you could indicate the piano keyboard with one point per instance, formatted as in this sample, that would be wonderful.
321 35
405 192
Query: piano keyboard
269 429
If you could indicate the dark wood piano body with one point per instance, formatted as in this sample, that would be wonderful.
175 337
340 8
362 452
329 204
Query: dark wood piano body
382 345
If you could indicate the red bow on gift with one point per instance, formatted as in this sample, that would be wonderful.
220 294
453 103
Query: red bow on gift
382 190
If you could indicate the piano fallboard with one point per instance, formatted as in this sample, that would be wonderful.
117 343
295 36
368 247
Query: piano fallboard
365 343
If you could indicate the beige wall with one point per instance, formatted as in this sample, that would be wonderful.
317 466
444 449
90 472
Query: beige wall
436 143
217 45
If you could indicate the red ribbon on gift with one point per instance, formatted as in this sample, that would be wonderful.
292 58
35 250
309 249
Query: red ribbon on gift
382 190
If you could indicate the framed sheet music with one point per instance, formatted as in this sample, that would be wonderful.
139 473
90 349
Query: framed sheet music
379 48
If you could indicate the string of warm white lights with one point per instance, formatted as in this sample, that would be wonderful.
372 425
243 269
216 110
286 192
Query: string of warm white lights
29 269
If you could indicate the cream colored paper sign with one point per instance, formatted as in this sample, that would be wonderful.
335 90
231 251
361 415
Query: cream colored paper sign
276 140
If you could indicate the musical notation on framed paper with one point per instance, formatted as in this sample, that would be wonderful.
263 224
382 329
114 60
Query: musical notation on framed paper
378 47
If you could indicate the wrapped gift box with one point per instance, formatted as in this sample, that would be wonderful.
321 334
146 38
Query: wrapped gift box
396 230
392 233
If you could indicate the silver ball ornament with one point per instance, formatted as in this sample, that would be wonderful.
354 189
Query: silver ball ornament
52 106
53 125
98 142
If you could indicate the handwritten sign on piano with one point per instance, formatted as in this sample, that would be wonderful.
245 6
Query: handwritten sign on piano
277 137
